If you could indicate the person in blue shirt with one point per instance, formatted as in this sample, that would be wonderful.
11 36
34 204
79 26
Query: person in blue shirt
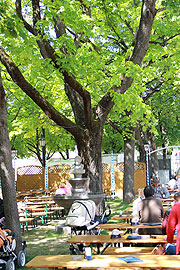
159 190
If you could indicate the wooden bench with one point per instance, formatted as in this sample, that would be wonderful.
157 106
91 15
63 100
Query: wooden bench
126 250
128 218
43 215
59 211
26 221
104 262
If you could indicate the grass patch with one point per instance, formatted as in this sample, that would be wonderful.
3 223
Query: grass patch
116 205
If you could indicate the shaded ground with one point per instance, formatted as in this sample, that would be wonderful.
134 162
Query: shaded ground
44 240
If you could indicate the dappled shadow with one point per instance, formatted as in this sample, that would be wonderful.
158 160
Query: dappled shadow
44 240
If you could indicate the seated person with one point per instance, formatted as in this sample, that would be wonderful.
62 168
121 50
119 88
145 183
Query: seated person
64 189
177 185
61 190
68 187
138 198
165 220
173 221
150 211
172 183
166 215
159 190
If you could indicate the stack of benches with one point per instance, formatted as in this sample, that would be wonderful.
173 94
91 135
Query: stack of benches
40 209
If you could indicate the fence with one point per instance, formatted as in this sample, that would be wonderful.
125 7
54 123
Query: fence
32 177
57 174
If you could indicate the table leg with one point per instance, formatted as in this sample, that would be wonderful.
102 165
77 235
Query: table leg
106 246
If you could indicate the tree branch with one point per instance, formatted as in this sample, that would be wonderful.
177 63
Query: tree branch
144 32
48 52
85 96
120 40
16 114
2 92
104 106
142 40
164 42
129 27
160 10
113 125
48 109
36 12
19 13
120 43
156 88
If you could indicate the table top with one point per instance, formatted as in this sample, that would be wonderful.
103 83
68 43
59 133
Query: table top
125 226
167 200
103 261
40 203
89 239
47 198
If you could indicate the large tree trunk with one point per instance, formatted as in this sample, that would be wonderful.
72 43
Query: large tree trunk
6 174
90 151
140 138
164 157
154 157
89 137
128 184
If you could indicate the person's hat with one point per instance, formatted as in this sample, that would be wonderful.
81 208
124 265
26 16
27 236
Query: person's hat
155 180
115 234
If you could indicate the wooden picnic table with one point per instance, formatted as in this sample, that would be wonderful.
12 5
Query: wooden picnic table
103 262
125 226
89 240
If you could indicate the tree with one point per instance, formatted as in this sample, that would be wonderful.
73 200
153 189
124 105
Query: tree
95 57
6 174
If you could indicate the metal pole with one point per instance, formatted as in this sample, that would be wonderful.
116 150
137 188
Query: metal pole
147 169
14 155
46 174
112 176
